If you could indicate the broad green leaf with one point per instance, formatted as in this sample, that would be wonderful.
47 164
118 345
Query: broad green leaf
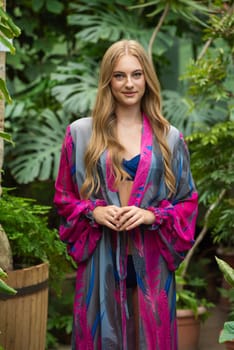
227 270
227 333
7 21
2 273
77 86
6 32
6 137
7 44
37 5
5 91
4 288
40 145
54 6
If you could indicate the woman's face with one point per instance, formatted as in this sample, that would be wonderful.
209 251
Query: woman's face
128 81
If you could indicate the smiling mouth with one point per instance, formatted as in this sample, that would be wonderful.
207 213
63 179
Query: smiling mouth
128 93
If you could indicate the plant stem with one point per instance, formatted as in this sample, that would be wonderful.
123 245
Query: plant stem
156 30
205 48
202 234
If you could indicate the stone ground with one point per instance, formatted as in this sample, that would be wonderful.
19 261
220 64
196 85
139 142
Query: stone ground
209 332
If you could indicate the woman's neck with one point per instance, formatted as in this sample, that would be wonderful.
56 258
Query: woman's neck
128 116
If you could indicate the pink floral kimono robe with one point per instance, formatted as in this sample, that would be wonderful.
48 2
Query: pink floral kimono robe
102 305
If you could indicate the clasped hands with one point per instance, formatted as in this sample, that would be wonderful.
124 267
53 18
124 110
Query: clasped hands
122 218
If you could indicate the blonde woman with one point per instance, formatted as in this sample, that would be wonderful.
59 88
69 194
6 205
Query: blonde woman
128 209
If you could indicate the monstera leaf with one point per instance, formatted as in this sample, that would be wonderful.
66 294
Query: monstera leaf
37 149
96 24
76 86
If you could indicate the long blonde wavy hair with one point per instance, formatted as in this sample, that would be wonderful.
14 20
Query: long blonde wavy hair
104 121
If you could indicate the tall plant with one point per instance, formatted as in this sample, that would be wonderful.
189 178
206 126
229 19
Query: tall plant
8 31
210 78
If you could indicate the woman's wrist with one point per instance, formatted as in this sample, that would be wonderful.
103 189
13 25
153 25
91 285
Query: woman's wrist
149 217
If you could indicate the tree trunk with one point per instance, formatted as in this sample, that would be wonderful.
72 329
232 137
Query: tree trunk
2 111
5 250
6 262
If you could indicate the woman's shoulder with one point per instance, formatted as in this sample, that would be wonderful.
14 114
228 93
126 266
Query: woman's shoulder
81 123
174 137
81 127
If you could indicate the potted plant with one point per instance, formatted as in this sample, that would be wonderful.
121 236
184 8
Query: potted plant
35 248
192 308
227 333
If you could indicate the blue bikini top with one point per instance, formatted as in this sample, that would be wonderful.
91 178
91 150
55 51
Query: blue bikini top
131 165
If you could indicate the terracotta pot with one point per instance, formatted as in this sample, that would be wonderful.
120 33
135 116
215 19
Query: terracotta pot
229 345
188 328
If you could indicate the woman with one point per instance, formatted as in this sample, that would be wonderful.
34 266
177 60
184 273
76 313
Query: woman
128 206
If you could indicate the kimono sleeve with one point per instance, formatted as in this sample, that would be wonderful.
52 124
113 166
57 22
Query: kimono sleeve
77 229
176 218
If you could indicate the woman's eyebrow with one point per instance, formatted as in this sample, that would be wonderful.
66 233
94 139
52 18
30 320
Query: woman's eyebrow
135 70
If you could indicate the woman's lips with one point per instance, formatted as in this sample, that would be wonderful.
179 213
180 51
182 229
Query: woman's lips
129 94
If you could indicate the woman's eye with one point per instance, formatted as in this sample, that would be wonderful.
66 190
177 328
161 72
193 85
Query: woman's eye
119 76
137 75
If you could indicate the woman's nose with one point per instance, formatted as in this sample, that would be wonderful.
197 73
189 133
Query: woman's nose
129 83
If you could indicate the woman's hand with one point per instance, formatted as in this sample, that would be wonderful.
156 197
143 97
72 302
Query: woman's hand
107 216
124 218
130 217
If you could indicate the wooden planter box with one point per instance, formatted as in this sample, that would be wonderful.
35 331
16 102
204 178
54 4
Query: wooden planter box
23 317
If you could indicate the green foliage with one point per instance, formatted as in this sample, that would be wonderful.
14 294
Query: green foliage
221 24
8 31
31 240
60 312
4 91
227 270
227 333
99 25
212 161
191 116
103 24
76 86
42 43
53 6
207 76
39 152
187 294
189 9
6 137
